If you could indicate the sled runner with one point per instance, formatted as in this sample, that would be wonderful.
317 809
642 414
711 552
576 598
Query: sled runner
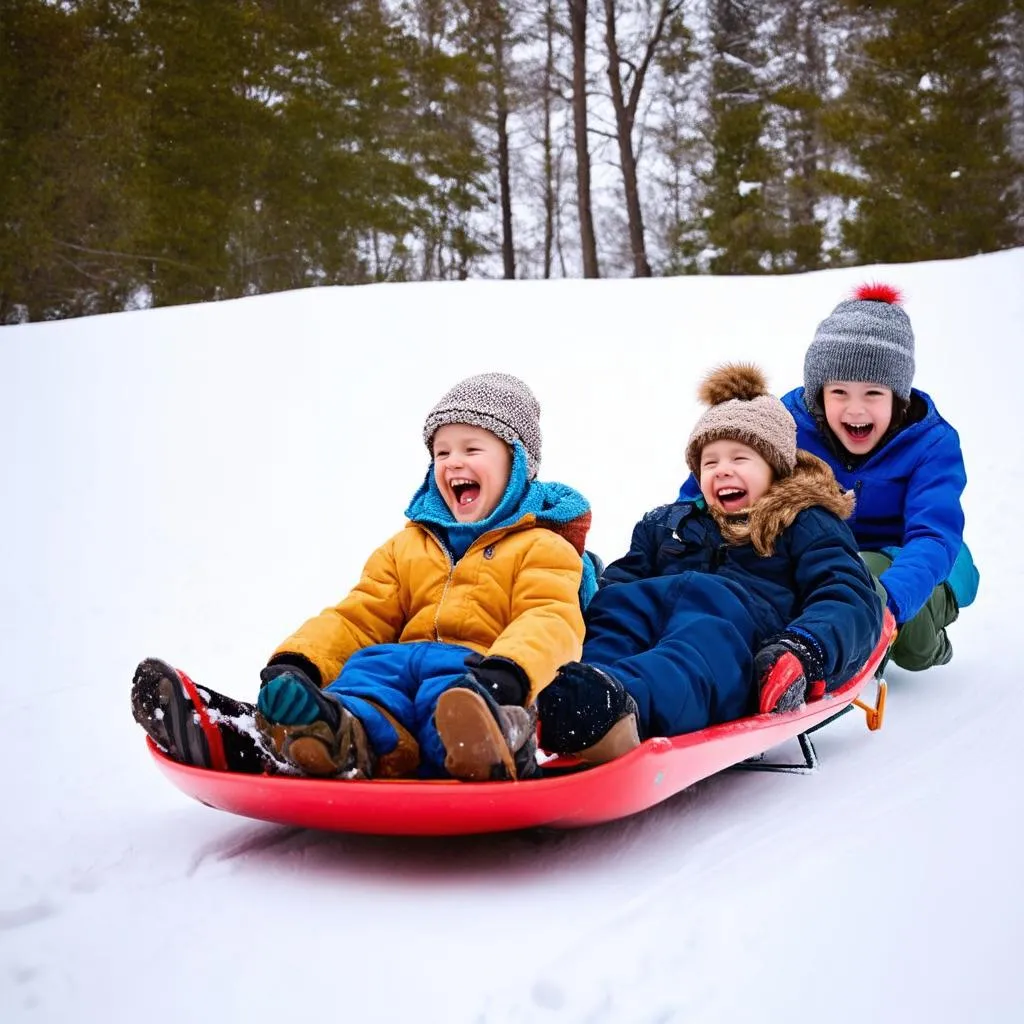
568 796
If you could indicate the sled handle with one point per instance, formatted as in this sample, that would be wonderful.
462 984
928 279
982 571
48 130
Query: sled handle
875 714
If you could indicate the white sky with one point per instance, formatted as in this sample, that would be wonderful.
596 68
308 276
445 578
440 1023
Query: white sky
193 482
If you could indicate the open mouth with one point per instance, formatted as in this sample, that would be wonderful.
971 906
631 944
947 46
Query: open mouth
731 498
466 492
858 431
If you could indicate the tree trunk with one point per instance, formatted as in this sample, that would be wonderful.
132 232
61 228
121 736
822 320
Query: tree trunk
1014 71
508 252
549 170
624 118
578 32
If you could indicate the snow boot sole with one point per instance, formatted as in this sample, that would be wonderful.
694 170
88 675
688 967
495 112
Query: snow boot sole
475 747
167 704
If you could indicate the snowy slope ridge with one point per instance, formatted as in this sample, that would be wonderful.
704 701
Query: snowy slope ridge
193 482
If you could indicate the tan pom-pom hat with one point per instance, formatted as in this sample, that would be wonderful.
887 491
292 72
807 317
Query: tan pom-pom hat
741 409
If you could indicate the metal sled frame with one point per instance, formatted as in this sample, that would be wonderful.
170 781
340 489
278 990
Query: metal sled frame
875 715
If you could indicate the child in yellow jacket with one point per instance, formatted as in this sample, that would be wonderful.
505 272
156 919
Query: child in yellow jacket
431 665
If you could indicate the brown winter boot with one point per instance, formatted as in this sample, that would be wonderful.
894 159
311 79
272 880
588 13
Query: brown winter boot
336 745
323 748
485 741
405 758
620 739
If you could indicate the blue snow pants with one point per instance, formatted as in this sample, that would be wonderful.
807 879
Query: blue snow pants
406 680
682 646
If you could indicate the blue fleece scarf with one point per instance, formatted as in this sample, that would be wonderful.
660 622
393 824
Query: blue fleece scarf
549 502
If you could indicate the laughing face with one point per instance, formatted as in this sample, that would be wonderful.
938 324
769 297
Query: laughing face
859 413
733 476
471 469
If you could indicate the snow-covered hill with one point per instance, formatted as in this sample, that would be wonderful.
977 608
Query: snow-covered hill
193 482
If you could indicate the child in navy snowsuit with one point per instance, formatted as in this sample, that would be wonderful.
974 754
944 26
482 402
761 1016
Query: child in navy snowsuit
714 590
886 441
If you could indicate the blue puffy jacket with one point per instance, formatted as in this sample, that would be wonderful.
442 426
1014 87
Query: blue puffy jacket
679 617
908 498
907 502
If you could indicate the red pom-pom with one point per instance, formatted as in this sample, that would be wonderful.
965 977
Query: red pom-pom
879 293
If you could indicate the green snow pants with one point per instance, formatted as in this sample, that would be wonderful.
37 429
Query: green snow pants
921 642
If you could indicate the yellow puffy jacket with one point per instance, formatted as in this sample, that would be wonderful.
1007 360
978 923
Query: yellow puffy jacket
515 593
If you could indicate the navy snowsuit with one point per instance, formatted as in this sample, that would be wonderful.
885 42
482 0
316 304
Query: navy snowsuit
679 617
907 502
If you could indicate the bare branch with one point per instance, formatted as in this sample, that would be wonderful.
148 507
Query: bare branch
126 255
668 9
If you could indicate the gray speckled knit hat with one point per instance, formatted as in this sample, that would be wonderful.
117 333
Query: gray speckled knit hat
498 402
866 338
742 410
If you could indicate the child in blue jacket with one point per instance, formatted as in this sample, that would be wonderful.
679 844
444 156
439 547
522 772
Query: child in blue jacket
714 591
886 441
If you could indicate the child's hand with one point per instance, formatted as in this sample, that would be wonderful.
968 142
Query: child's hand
287 695
784 667
502 677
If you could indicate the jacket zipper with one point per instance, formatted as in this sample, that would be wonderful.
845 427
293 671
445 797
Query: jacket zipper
498 534
721 553
447 582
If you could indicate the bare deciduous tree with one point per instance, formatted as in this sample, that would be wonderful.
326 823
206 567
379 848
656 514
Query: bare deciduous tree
625 106
547 140
578 33
508 250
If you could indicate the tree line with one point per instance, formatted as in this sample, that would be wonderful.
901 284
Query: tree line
165 151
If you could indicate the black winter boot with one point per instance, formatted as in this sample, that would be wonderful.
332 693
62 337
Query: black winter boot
230 741
484 740
588 713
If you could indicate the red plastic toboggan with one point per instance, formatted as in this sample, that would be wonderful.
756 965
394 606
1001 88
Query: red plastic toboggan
655 771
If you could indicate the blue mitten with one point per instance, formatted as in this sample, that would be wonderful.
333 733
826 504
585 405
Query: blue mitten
289 696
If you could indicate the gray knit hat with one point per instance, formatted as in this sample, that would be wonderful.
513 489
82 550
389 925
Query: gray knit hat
742 410
867 338
498 402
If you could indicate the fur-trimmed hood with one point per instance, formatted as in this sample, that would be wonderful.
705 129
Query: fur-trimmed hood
811 483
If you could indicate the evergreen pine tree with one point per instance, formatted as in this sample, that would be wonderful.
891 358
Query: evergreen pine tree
798 85
70 107
924 121
741 227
